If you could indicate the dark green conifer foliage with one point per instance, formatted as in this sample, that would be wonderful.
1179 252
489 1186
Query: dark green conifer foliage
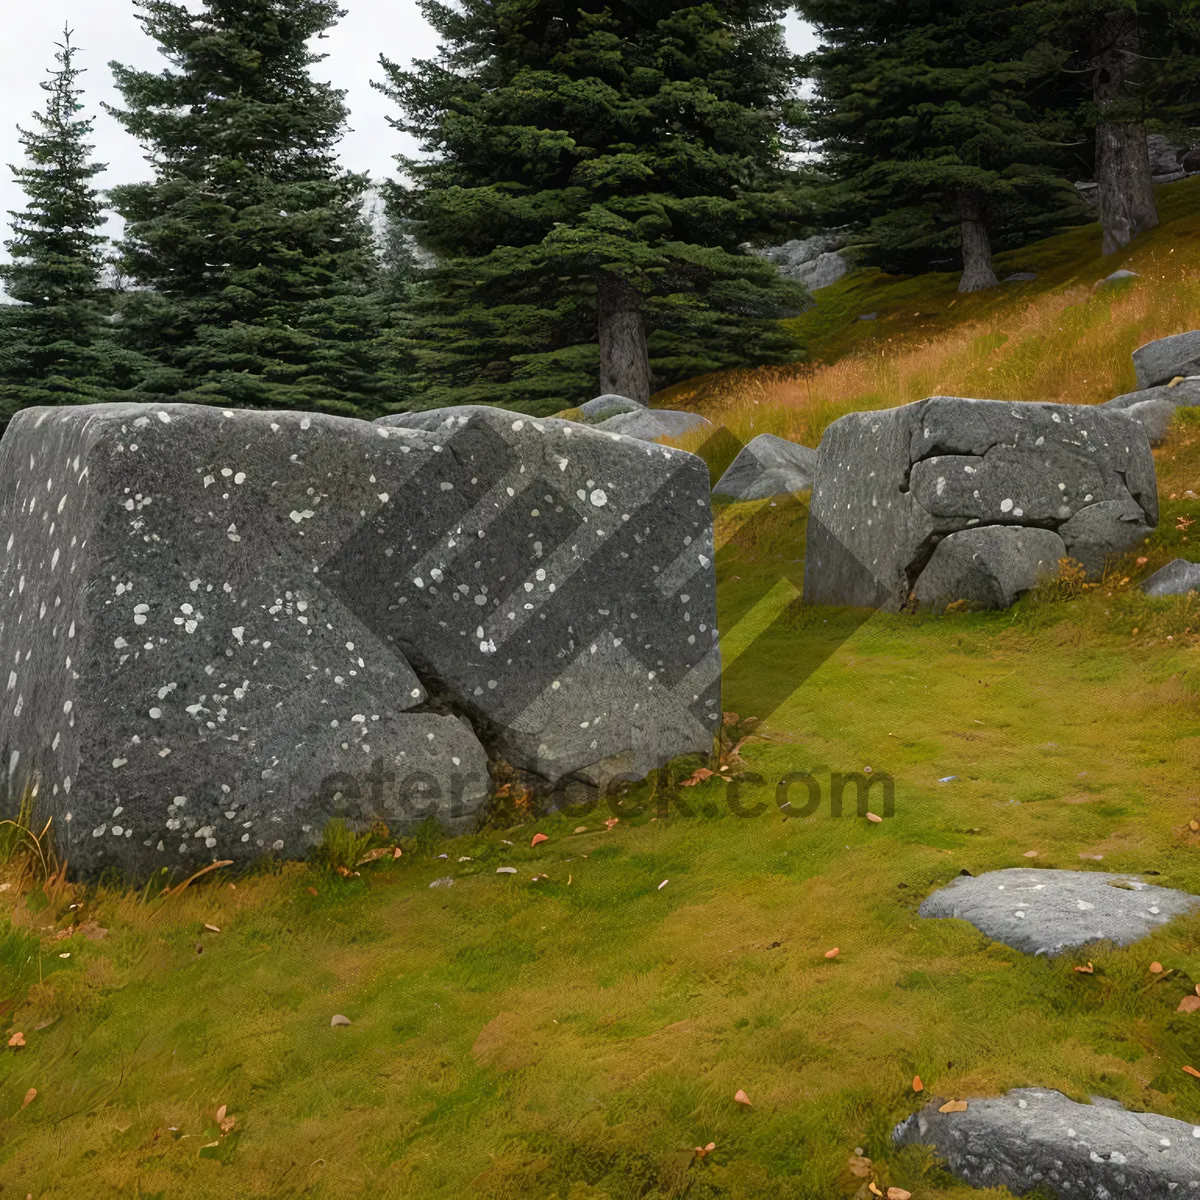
927 112
250 239
592 171
55 344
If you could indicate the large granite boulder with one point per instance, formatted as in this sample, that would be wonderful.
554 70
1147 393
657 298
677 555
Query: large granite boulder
1165 359
1035 1138
1048 912
650 424
1154 417
892 484
990 566
1177 578
768 466
225 628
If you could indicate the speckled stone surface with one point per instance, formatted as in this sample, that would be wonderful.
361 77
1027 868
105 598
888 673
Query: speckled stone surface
1047 912
1177 578
1033 1137
1162 360
891 484
988 567
205 617
653 423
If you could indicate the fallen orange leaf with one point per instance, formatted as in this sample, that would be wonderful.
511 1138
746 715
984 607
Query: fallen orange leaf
581 829
918 1086
701 1151
220 1114
1189 1004
396 853
17 1039
741 1097
873 1189
874 817
1030 854
538 838
30 1096
832 953
952 1106
312 891
895 1193
611 822
1192 1071
212 929
1156 968
1088 970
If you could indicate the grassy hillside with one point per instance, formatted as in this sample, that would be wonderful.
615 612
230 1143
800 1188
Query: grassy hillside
577 1029
1060 338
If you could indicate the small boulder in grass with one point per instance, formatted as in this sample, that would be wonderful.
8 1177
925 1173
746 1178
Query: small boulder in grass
339 1019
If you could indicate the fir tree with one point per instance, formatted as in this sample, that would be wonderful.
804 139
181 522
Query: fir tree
55 345
926 115
250 240
592 171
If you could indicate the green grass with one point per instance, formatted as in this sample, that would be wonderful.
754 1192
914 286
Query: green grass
578 1035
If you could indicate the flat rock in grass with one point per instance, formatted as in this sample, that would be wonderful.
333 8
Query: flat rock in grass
609 405
892 484
650 424
768 466
1185 394
1033 1138
1162 360
1177 578
1049 912
988 567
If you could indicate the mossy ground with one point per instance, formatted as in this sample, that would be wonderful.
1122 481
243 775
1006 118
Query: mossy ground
579 1035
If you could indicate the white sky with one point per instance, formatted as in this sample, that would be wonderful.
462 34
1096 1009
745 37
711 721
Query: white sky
108 29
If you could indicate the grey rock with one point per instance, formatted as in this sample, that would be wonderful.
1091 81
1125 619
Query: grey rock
585 639
1162 360
768 466
650 424
990 566
1177 578
1048 912
792 256
1154 416
892 484
1164 154
1190 162
1020 277
1117 276
609 405
868 316
824 270
1033 1137
1183 395
222 642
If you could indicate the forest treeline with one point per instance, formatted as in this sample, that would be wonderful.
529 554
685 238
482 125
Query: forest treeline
590 177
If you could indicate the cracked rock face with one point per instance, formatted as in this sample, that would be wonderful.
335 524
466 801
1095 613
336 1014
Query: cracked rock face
609 405
1033 1137
207 617
1048 912
1177 578
768 466
892 484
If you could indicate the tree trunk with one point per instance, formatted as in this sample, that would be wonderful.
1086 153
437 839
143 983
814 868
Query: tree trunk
976 247
624 360
1126 191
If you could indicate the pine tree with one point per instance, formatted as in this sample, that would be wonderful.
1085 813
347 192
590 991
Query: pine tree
925 114
55 345
1131 65
592 172
250 242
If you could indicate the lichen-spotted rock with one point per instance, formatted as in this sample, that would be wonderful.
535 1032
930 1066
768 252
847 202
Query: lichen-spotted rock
1037 1138
891 485
205 613
1047 912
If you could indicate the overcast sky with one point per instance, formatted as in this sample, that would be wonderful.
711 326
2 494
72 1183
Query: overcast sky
108 29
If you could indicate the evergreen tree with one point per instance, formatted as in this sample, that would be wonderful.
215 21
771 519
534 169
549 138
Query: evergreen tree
592 171
55 345
250 241
926 116
1127 65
